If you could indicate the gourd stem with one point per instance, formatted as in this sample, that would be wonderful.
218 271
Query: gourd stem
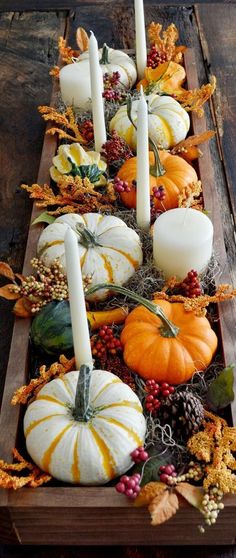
82 411
105 52
157 169
87 238
168 329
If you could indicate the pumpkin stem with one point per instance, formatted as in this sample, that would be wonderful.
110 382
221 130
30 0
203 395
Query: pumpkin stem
87 238
82 411
157 169
104 59
168 329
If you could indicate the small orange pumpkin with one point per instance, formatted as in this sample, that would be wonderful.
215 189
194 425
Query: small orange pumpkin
166 78
170 171
169 352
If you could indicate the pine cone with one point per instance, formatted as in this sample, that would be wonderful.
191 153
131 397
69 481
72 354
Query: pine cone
184 412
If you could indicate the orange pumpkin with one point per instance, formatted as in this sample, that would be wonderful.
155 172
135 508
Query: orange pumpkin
172 172
169 349
166 78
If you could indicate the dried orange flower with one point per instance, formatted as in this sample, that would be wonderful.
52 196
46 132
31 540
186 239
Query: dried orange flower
216 445
165 41
66 52
24 393
76 195
199 304
64 120
194 99
33 479
190 196
54 72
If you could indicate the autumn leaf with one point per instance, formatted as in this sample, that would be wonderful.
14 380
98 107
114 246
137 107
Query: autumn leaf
6 292
82 39
163 507
193 494
22 308
6 271
149 492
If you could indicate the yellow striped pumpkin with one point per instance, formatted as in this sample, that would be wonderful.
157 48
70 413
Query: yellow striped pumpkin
168 122
109 250
83 433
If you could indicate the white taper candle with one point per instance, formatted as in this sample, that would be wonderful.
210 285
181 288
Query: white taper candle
140 38
96 79
79 322
143 179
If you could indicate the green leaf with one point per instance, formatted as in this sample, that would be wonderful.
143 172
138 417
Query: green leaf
150 469
220 392
44 218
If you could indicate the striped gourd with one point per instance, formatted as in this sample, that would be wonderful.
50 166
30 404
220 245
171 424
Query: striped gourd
109 251
82 427
168 122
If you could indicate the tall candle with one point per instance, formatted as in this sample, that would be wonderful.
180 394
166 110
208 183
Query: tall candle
140 38
79 322
143 179
96 79
182 240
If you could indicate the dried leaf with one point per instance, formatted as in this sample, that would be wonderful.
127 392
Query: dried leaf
193 494
7 292
82 39
163 507
6 271
188 148
149 492
22 308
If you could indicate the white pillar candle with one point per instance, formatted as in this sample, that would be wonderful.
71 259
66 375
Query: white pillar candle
182 240
143 179
140 38
79 322
75 85
96 79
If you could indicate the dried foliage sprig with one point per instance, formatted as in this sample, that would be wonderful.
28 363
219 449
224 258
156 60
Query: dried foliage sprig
27 393
10 479
190 196
194 99
188 148
66 120
76 195
165 41
199 304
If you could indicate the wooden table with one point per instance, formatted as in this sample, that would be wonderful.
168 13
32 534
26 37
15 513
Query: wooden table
28 45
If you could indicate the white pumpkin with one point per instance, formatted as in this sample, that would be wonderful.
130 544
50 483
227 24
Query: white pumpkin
75 78
109 250
168 122
84 441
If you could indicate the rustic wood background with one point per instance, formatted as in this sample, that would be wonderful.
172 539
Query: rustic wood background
29 30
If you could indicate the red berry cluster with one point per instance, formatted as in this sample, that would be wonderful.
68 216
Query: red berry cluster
191 286
87 130
157 393
155 212
116 149
121 185
167 472
105 341
155 57
139 455
129 486
111 90
159 192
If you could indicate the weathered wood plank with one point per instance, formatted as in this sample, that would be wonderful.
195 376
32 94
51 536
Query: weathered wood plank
28 48
42 5
219 55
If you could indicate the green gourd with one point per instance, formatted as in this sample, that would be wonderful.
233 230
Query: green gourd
51 328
